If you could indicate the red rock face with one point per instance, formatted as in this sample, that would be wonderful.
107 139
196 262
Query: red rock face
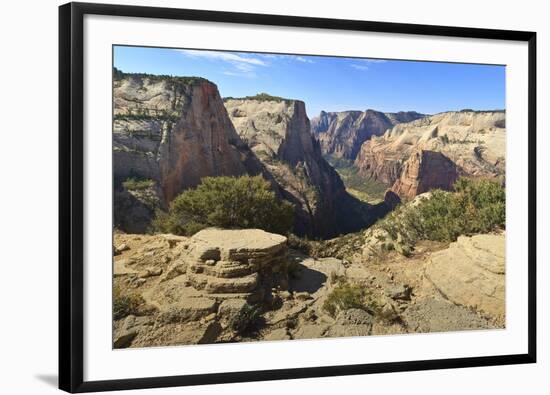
175 132
202 143
431 152
423 171
379 165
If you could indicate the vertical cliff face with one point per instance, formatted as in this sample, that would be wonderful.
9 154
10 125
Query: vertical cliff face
321 123
278 132
342 133
174 131
431 152
425 170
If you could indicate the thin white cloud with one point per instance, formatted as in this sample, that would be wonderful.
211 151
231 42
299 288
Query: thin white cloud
270 55
303 60
373 60
359 67
225 56
364 64
243 65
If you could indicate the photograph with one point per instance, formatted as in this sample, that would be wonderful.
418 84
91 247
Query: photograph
281 197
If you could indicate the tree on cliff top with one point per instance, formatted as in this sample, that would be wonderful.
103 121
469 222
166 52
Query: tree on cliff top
227 202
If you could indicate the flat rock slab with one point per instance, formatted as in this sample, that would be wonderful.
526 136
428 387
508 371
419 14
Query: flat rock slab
432 315
191 309
240 239
178 334
471 273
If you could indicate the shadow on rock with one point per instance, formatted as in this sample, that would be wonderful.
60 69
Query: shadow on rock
307 280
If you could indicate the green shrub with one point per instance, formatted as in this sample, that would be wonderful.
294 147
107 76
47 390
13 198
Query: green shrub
125 304
135 184
260 97
227 202
301 244
347 296
246 320
476 206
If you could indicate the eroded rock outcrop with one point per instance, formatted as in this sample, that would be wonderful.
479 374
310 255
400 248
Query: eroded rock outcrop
341 134
193 289
278 132
237 261
473 141
174 131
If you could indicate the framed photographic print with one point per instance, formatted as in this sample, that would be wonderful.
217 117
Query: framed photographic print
253 197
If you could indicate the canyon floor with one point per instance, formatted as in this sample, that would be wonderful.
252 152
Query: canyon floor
247 285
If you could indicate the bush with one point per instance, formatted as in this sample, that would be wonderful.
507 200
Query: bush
301 244
476 206
227 202
347 296
125 305
246 320
135 184
260 97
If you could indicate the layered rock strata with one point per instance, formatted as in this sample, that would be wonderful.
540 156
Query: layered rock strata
341 134
237 261
174 131
278 132
418 155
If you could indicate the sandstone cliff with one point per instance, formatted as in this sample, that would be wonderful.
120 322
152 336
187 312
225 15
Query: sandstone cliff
174 131
278 132
341 134
432 152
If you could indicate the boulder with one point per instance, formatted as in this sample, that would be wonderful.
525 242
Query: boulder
399 292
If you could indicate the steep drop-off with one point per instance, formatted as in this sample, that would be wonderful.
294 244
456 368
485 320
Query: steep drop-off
278 132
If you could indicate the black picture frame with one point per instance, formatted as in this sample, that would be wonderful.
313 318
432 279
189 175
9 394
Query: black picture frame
71 223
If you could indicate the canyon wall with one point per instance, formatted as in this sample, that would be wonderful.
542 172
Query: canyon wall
432 152
341 134
174 131
279 132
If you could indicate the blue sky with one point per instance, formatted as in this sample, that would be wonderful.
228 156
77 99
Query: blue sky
330 83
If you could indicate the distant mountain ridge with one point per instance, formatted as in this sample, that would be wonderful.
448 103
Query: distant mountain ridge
433 151
341 134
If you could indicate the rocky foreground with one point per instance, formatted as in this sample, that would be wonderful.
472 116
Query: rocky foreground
174 290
